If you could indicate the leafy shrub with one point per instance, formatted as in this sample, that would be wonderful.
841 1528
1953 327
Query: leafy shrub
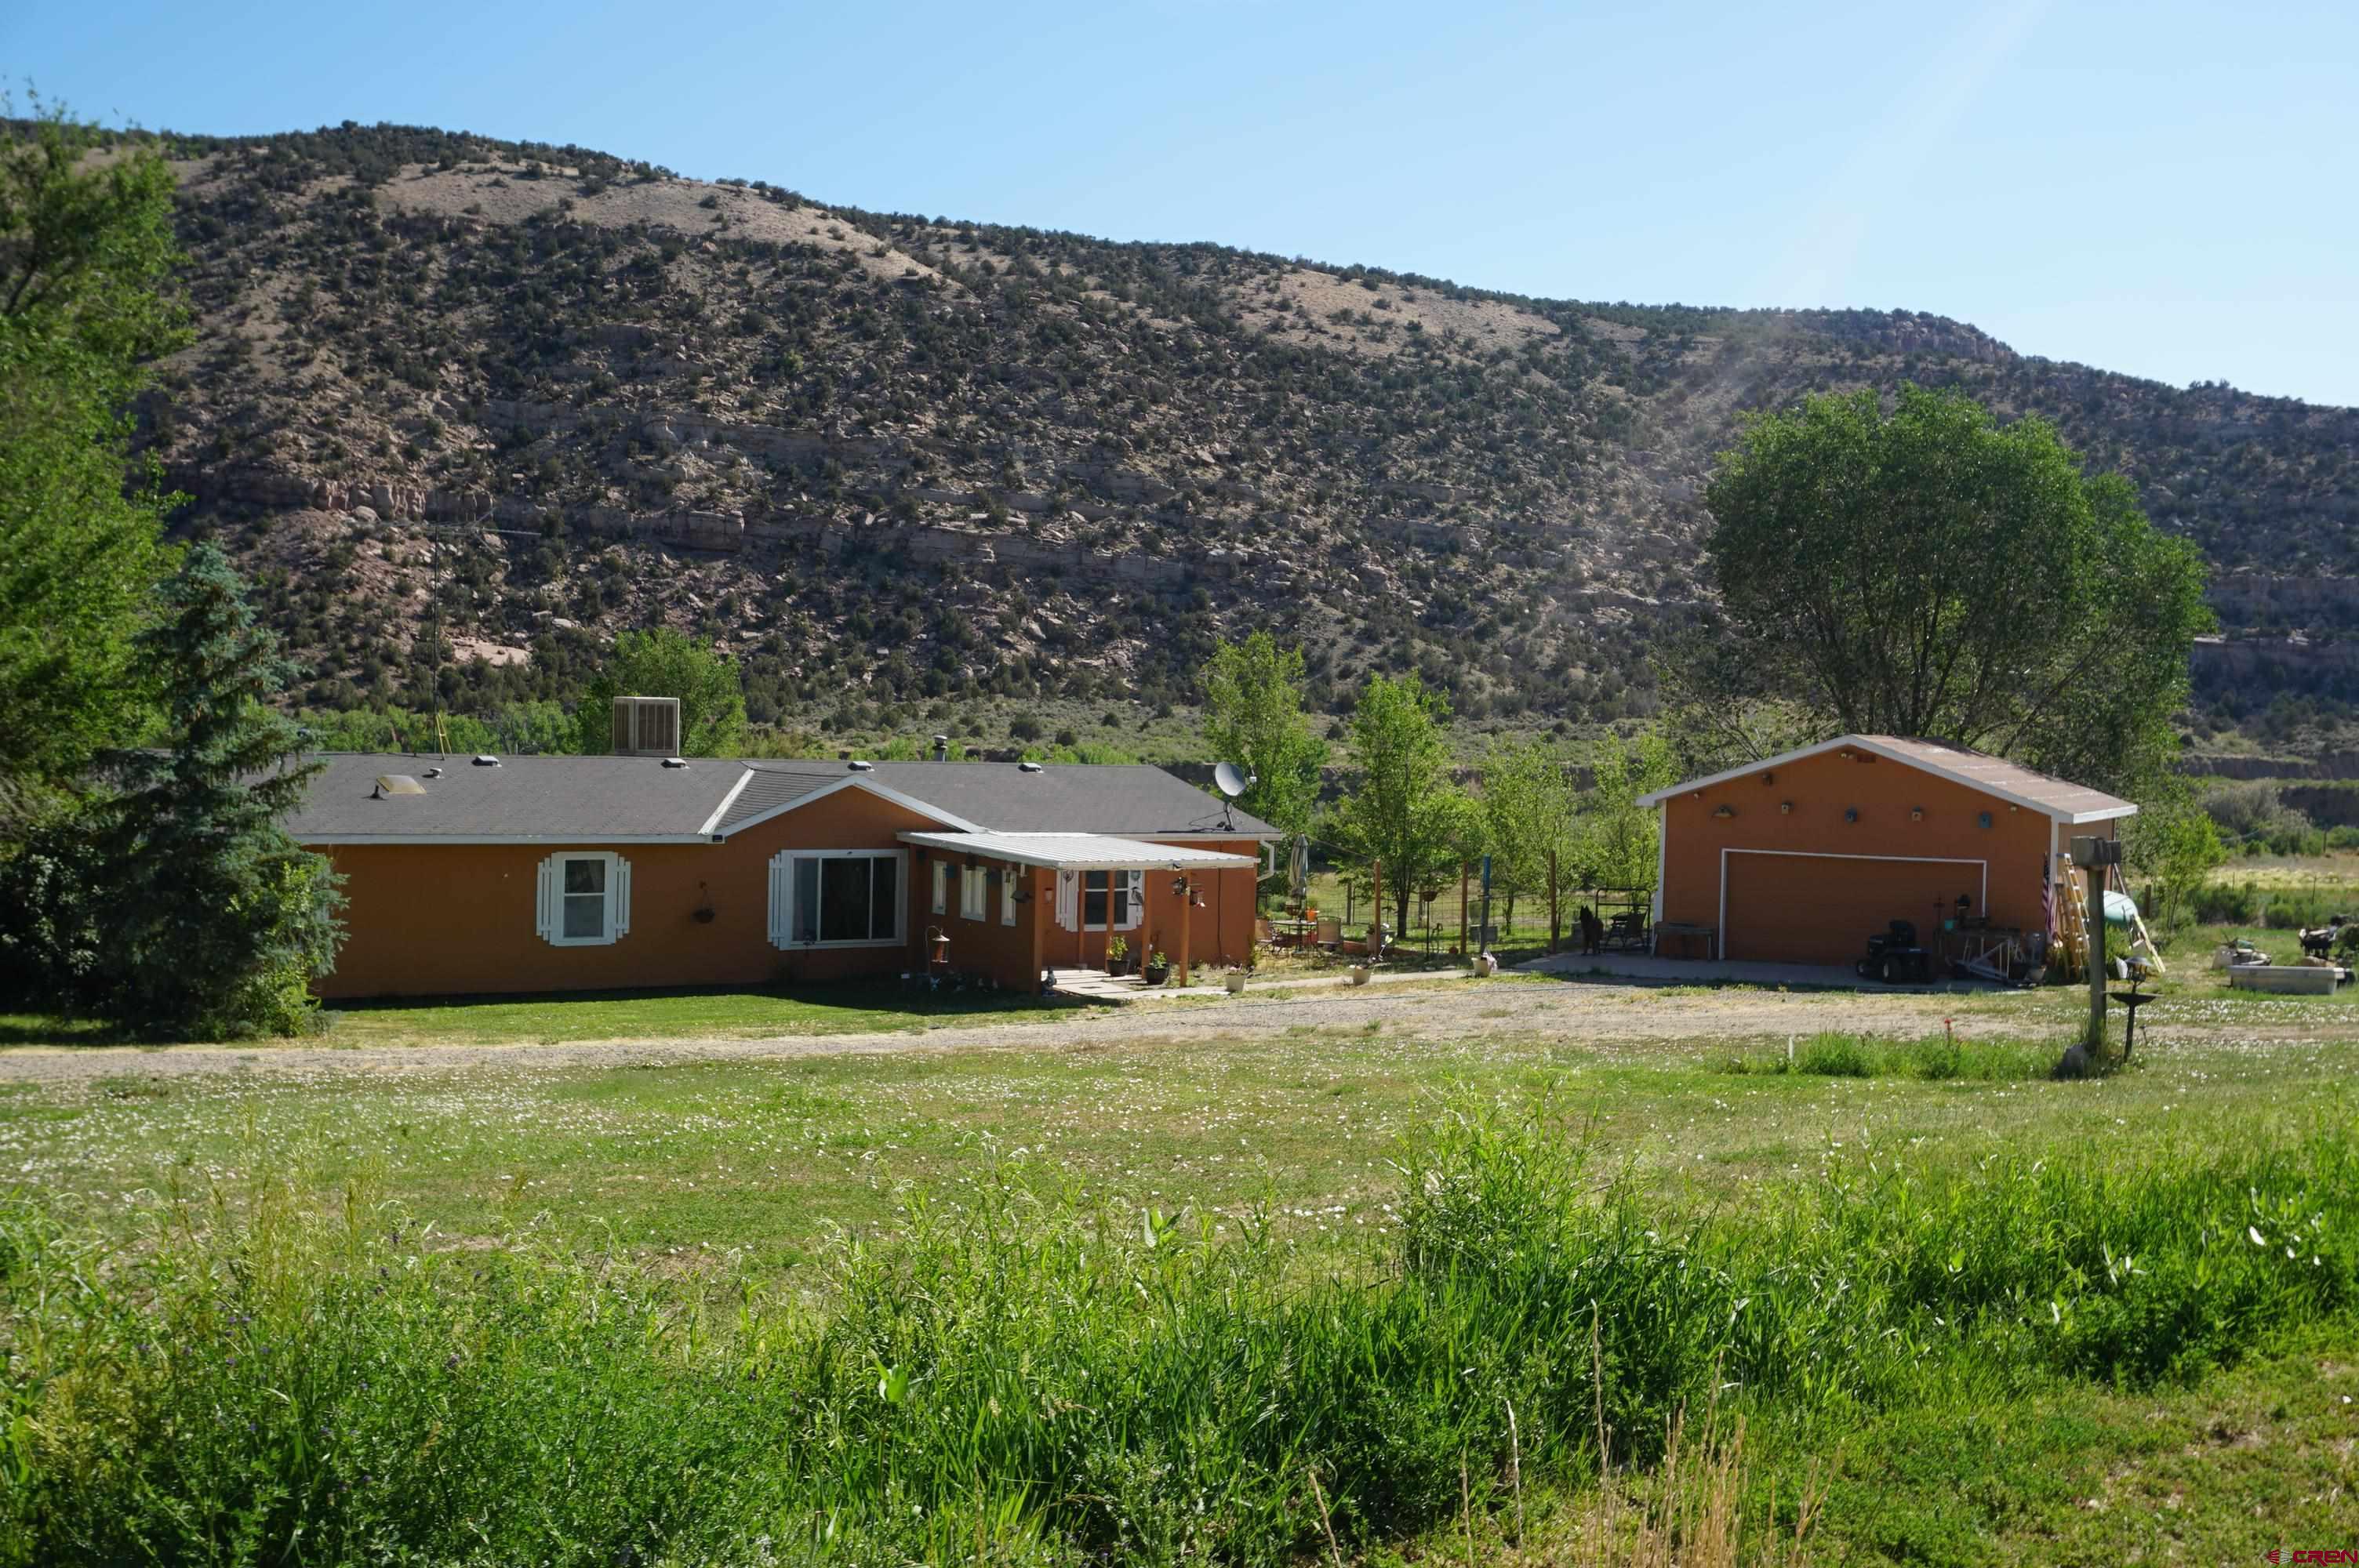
2226 903
1042 1376
51 938
2253 814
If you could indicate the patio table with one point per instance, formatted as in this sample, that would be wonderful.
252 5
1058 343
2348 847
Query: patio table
1293 932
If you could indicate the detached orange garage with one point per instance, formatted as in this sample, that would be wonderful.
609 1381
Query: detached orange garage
1799 858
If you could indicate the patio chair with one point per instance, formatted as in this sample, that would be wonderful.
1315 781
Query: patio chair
1627 931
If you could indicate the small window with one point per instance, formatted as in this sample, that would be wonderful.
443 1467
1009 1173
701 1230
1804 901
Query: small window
942 887
1094 898
584 899
973 895
1007 897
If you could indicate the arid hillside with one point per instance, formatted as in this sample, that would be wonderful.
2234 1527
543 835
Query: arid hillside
530 395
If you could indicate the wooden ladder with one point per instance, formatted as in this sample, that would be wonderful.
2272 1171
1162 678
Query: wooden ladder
2072 928
2071 922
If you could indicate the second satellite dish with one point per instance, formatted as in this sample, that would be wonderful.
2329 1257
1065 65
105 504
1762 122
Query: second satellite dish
1231 779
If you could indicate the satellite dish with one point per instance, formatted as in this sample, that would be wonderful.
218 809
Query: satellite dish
1231 779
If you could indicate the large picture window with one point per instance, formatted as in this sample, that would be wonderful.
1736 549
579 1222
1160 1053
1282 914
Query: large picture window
836 898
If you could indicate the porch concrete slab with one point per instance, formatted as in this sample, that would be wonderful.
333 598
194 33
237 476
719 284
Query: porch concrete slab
1646 966
1096 985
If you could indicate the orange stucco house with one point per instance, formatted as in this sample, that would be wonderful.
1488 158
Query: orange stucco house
1799 858
479 875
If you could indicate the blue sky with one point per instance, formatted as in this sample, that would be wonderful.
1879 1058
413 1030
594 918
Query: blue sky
2167 189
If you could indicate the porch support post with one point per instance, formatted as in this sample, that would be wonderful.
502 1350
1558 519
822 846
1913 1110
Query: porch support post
1187 908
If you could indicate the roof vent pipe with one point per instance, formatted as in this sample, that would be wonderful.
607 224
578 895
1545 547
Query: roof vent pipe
941 748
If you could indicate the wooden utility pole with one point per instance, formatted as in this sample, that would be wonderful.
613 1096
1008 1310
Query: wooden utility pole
2096 954
1556 922
2095 855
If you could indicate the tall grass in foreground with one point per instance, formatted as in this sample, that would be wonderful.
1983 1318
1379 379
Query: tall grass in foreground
1041 1379
1935 1059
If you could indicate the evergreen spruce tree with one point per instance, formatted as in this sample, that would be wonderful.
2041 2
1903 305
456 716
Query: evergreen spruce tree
217 919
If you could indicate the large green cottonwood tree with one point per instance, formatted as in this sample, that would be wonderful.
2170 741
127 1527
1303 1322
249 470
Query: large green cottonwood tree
1254 717
1932 572
662 662
1403 810
86 257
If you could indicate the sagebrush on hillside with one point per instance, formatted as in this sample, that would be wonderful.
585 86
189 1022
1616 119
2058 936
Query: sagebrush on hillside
890 461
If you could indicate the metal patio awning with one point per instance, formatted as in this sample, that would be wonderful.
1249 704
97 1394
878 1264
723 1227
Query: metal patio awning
1080 851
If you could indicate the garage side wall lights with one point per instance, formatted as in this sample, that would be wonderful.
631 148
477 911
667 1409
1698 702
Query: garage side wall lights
1725 811
1851 813
1984 818
1916 814
1786 809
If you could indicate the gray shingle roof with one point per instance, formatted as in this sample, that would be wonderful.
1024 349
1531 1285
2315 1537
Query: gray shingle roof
1131 799
768 788
608 799
554 799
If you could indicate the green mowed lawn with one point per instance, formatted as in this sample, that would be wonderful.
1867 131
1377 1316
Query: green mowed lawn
770 1156
698 1013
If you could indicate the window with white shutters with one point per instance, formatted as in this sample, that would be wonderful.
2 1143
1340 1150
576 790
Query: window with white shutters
583 899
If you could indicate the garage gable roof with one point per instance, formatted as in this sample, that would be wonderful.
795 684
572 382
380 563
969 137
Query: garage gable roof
1996 776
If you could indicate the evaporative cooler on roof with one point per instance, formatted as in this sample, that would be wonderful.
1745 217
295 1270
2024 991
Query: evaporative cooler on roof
647 726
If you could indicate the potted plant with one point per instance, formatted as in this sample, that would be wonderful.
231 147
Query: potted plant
1118 955
1158 968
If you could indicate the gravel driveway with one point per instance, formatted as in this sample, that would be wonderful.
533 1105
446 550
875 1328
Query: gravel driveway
1602 1012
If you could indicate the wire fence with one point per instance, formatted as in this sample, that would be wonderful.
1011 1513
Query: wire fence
1447 917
